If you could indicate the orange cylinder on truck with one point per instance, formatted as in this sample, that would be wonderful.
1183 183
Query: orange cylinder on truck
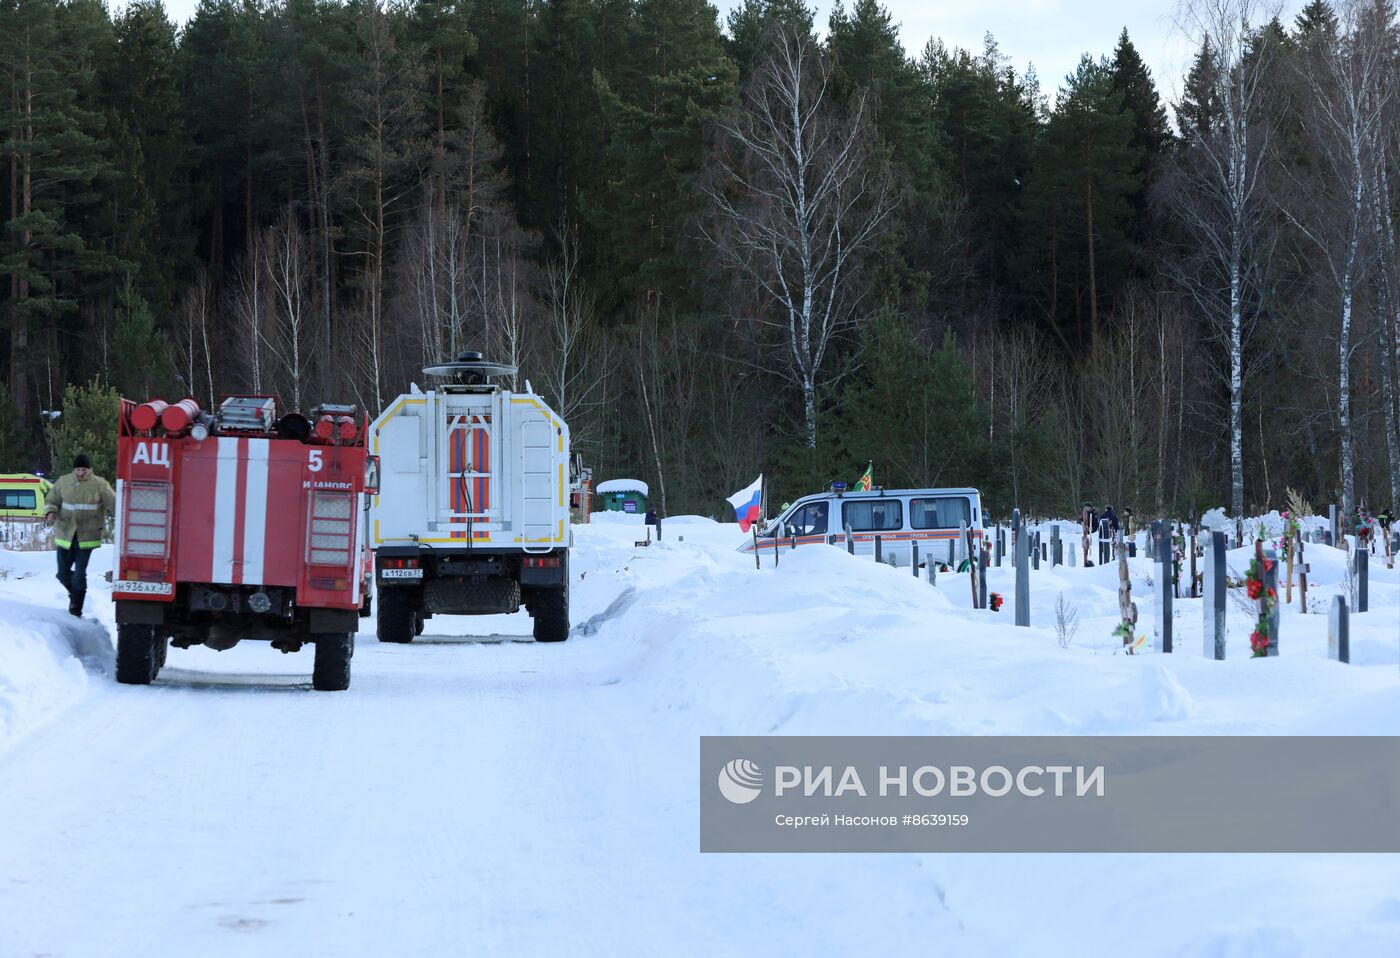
325 428
178 417
346 427
145 416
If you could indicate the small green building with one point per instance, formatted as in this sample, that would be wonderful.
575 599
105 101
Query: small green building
623 495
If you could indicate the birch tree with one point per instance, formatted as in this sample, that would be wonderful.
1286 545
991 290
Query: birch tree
384 146
286 261
573 357
194 340
1221 199
1386 274
801 198
249 302
437 279
499 284
1343 76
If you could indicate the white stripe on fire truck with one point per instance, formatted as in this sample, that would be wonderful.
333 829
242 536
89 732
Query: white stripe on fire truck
255 511
225 509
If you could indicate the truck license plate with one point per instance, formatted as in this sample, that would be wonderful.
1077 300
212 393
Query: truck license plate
400 573
143 588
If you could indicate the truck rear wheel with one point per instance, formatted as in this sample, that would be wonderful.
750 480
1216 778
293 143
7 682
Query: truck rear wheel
396 618
332 670
550 607
136 654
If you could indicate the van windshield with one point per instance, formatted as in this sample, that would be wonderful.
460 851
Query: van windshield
941 513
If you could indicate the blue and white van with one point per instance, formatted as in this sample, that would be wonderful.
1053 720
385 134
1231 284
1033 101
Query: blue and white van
900 517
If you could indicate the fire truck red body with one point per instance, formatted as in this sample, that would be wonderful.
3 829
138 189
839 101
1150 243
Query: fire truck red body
240 525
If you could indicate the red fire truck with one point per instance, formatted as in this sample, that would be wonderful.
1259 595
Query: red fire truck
240 524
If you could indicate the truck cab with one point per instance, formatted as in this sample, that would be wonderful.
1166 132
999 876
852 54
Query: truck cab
472 515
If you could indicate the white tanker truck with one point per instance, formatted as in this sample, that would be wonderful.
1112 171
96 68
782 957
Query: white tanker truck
472 515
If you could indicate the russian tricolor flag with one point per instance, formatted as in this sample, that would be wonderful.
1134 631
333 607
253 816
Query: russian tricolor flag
748 504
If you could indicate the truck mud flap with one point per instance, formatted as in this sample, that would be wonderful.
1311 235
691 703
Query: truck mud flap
464 597
333 620
139 613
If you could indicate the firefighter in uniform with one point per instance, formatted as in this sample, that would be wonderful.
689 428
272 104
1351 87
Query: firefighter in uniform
77 507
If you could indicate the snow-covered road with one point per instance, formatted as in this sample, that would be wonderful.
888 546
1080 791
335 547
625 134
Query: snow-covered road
467 796
492 796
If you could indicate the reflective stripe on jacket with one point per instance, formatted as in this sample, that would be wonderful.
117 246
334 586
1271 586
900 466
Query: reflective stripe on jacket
81 507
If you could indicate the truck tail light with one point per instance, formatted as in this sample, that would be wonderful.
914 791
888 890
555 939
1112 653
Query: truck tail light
400 564
147 520
541 562
330 535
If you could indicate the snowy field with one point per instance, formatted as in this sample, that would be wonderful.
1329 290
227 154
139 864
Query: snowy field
475 793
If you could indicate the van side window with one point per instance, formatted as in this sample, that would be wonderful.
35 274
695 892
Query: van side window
873 515
941 513
810 520
17 499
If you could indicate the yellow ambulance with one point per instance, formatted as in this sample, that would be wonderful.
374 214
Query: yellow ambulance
22 495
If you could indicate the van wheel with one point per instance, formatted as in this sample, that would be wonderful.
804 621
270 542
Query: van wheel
396 618
332 670
550 607
136 654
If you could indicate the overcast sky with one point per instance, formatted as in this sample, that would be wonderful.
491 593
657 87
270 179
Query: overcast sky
1052 34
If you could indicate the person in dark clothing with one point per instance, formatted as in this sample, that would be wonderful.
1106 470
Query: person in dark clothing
652 520
1112 518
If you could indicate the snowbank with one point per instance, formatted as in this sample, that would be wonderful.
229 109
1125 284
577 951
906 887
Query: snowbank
48 659
826 643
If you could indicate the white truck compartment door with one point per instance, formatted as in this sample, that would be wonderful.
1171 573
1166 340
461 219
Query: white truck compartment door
400 510
399 446
536 482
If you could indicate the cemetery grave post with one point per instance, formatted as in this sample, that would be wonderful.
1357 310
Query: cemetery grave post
1193 532
971 561
1085 523
1263 640
1213 608
1339 630
1023 571
1126 607
1302 573
1162 554
982 575
1360 574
